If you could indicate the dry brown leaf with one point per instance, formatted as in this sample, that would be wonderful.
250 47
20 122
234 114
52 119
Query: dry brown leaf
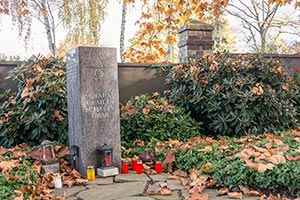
2 150
259 149
297 139
81 181
235 195
204 197
151 102
250 164
264 167
295 133
245 190
25 146
146 110
272 197
254 193
155 94
139 143
61 151
19 198
35 154
173 177
289 157
211 183
222 191
197 188
165 191
183 181
170 158
209 140
156 191
18 192
18 153
195 196
6 166
206 149
277 159
75 174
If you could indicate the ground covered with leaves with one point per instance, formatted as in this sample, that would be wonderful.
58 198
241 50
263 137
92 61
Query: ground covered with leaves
267 165
21 177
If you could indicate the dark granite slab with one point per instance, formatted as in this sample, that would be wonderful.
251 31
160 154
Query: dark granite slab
93 105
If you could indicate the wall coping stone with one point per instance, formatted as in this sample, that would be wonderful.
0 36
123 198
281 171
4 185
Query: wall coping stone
196 25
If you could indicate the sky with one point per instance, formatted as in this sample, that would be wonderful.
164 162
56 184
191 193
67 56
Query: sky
11 45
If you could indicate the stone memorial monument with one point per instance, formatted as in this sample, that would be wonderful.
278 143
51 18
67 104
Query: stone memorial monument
93 105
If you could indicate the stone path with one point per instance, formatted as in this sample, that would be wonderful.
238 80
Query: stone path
132 186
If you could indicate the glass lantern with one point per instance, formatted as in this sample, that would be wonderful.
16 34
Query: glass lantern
47 152
106 156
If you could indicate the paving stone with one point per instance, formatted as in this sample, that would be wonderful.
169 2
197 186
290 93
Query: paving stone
213 195
101 181
136 198
175 196
132 176
159 177
72 198
154 187
69 191
174 185
185 193
114 191
91 186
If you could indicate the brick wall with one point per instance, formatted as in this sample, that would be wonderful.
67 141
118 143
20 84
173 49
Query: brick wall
195 40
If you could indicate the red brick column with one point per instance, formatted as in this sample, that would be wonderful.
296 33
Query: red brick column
195 40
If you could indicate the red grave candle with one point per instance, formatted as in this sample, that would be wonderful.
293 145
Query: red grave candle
158 167
139 167
125 167
107 159
47 154
133 164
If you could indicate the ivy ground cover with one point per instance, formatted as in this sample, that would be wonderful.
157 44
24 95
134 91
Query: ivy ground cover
267 165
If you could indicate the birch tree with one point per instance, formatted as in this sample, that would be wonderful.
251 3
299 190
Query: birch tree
81 18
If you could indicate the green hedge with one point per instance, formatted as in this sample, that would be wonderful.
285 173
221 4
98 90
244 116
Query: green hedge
235 95
38 110
153 119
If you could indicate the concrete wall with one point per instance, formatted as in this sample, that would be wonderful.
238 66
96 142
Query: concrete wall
5 84
135 79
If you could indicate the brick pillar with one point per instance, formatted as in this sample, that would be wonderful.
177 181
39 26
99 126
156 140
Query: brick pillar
195 40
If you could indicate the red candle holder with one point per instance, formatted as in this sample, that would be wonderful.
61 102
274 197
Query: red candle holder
133 164
125 166
158 167
139 167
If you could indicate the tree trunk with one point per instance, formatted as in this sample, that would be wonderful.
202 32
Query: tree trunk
122 34
49 30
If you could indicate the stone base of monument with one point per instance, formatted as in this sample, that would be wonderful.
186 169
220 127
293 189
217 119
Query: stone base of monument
53 168
107 172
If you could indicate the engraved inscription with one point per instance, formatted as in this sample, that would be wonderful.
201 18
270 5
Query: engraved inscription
98 105
98 74
71 72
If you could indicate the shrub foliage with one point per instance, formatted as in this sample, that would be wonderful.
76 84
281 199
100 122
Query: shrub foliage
235 95
38 110
152 119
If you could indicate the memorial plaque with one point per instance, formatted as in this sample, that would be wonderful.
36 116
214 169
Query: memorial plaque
93 105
